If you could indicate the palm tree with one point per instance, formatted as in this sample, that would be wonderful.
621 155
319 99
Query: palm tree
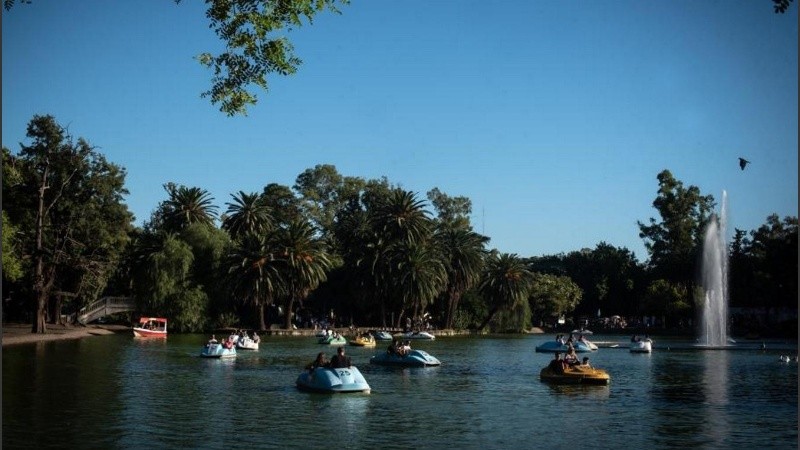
254 272
186 206
418 275
248 213
401 218
305 263
505 283
397 222
463 252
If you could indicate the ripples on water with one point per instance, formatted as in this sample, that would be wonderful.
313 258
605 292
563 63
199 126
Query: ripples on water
120 392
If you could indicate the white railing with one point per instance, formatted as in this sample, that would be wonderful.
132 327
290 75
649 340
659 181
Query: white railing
104 307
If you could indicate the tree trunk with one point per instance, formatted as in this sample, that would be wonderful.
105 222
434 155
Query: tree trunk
56 303
289 306
39 316
488 319
262 324
455 296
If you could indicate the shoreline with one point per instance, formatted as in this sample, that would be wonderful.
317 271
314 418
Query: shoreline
20 333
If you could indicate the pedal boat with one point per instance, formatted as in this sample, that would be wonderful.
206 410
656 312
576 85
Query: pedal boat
363 341
217 350
333 381
576 375
331 340
414 358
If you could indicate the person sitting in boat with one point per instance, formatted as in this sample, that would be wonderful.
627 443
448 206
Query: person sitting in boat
585 363
557 364
571 358
321 361
340 361
635 338
228 343
255 337
560 339
213 340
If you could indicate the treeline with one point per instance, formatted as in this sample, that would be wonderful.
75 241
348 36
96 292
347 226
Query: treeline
365 249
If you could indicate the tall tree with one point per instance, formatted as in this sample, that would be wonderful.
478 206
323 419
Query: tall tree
463 252
78 221
284 205
305 264
419 274
248 213
452 212
674 242
505 283
398 221
553 296
254 271
187 205
164 284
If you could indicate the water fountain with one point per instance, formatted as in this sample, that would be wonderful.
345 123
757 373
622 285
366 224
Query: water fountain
714 281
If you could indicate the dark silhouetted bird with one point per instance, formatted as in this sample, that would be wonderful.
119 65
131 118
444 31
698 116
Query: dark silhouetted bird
743 162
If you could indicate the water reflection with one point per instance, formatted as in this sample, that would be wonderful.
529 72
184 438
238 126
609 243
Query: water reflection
715 388
117 392
592 392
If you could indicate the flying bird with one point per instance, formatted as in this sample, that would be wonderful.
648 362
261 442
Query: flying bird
743 162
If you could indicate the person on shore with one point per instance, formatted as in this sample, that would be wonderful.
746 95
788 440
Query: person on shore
340 361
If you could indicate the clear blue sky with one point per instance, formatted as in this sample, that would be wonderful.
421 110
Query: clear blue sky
554 118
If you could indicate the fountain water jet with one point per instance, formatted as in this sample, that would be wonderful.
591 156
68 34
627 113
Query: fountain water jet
714 280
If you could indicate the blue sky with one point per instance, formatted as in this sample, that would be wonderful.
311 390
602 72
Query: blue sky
554 118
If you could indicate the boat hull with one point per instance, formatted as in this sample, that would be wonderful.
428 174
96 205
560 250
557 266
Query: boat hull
151 327
382 335
217 351
423 335
333 381
641 347
363 342
247 344
576 375
144 333
414 358
332 341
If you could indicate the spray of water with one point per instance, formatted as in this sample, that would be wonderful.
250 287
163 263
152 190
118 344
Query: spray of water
714 273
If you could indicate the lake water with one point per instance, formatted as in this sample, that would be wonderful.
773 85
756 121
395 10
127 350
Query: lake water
119 392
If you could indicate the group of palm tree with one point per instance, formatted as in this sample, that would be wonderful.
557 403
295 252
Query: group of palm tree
396 258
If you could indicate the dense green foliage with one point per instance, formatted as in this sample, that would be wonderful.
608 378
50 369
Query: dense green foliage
341 248
68 200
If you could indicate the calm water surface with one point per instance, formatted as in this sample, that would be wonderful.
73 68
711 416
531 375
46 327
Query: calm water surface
120 392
